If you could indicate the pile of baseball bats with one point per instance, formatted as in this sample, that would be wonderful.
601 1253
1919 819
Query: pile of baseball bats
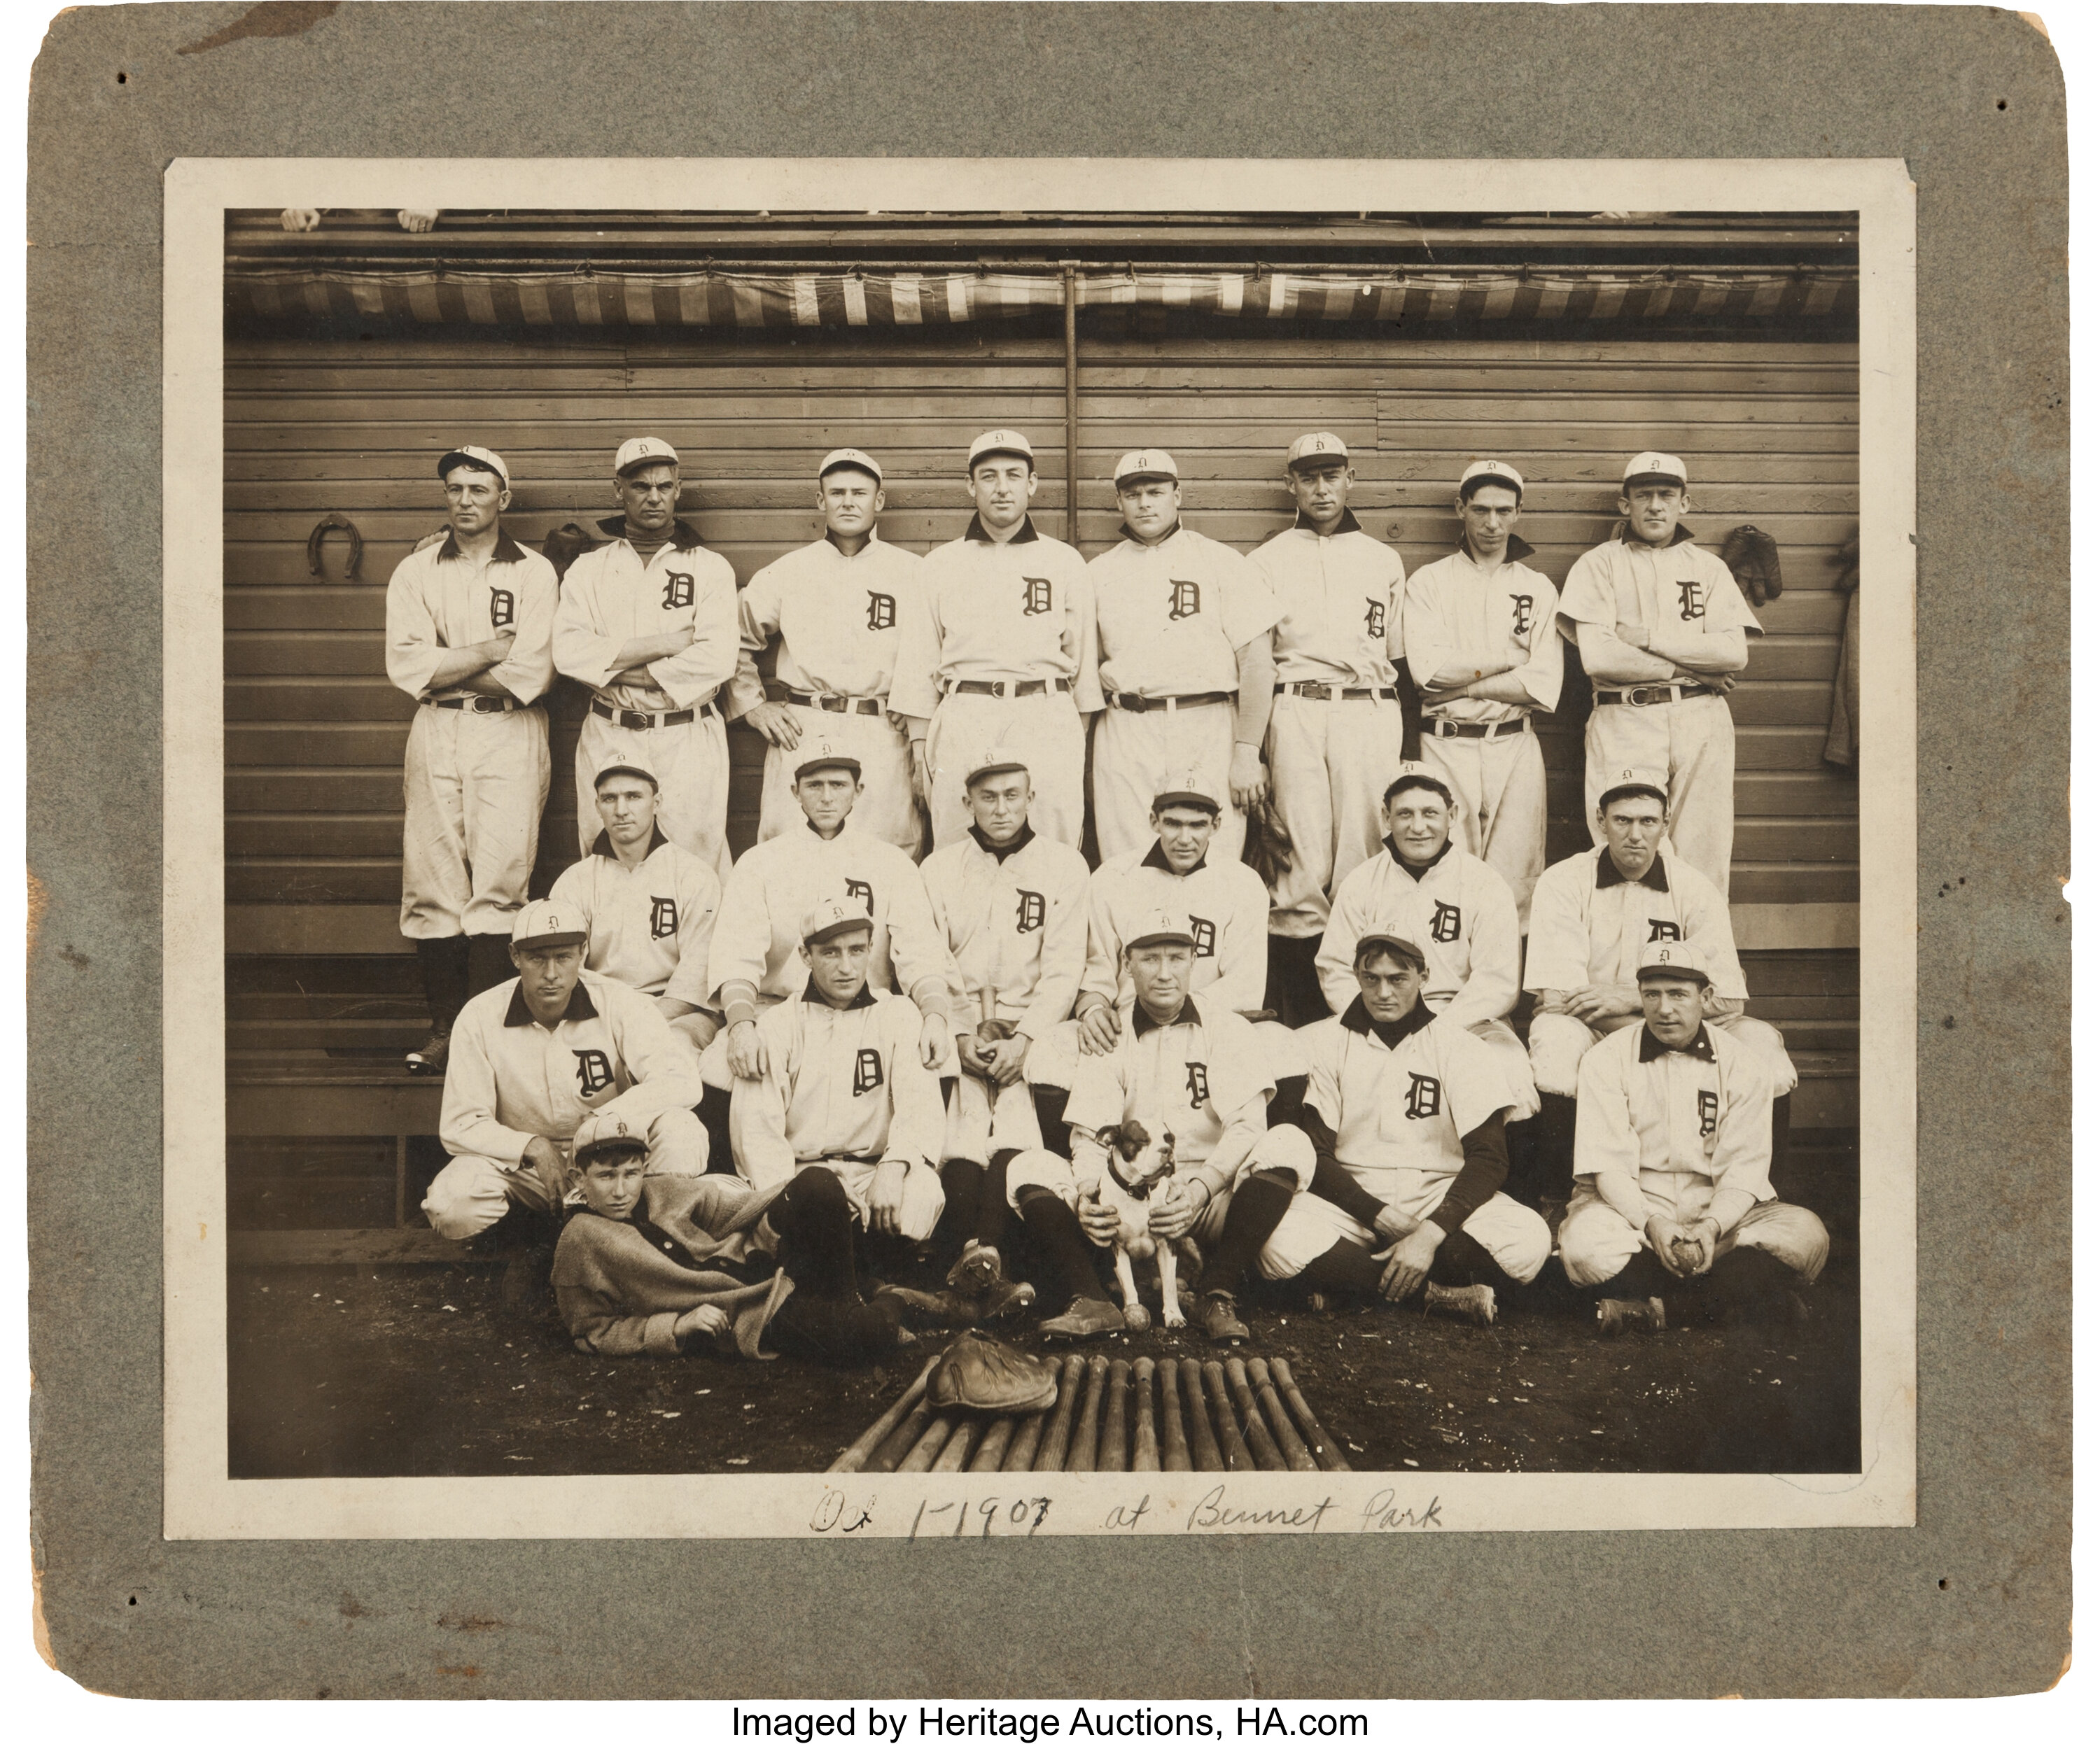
1175 1414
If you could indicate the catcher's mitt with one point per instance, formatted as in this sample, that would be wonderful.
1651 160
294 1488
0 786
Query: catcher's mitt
1752 556
978 1373
564 545
1268 848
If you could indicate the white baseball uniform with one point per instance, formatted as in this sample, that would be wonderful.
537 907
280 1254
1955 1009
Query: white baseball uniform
1172 618
1461 613
988 618
1329 753
1589 925
1015 922
650 928
843 1089
511 1079
1686 610
1691 1128
1400 1115
1460 913
609 597
838 619
475 778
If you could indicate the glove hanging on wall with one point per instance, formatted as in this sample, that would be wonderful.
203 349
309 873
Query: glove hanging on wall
1752 556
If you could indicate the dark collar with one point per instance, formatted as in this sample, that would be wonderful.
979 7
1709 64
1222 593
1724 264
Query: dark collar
1143 1023
507 548
810 996
1347 524
682 536
1700 1046
976 535
1157 859
1359 1020
1609 873
1124 531
845 824
1002 855
1516 552
830 540
1392 848
580 1006
1677 537
603 847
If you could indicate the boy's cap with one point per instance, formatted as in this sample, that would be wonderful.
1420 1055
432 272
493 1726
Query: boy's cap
1501 471
824 754
628 759
1188 787
1143 465
602 1134
1002 442
547 923
994 760
1162 926
639 451
1634 780
1652 468
831 917
1389 934
1317 449
467 454
1673 959
850 457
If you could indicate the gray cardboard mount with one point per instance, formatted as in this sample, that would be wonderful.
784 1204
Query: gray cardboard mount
1974 1600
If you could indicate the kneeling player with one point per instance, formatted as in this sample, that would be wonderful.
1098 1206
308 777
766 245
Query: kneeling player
1405 1115
1673 1158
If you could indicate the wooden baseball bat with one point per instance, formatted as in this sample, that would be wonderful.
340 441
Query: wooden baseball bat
1175 1457
927 1448
1085 1439
1230 1444
904 1438
857 1455
1203 1445
1295 1454
958 1447
1326 1449
1260 1443
992 1450
1113 1454
1027 1438
1057 1438
1144 1453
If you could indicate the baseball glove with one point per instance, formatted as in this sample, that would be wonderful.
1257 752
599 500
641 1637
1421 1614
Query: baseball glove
1268 848
978 1373
1752 556
564 545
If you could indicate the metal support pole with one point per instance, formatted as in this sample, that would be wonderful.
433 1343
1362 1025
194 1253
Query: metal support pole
1071 406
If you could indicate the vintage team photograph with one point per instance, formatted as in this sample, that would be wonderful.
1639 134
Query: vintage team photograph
1008 842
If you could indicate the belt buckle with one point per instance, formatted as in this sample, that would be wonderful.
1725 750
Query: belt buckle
832 705
635 723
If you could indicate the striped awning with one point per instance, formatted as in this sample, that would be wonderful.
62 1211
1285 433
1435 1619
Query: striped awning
583 296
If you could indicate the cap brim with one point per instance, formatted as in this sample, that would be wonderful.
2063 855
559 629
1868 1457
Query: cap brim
1624 788
1306 462
1188 939
983 454
461 457
549 942
1125 480
850 466
1663 971
802 769
1201 801
599 779
646 460
863 924
1652 478
975 776
606 1147
1406 948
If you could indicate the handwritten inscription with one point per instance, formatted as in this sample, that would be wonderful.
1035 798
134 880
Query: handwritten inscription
1213 1513
1380 1515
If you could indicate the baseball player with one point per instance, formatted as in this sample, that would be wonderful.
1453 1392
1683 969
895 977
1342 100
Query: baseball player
1423 885
1011 906
1406 1117
836 605
1189 1070
998 648
648 620
531 1058
1662 629
648 905
1337 731
468 622
1483 652
1592 916
1186 668
1673 1164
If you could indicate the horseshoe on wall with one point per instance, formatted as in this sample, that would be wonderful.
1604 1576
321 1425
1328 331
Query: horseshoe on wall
332 522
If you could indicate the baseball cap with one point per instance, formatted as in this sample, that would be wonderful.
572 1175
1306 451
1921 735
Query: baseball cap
549 922
1673 959
1652 468
831 917
1002 442
637 450
854 458
469 455
1188 787
1406 775
628 759
601 1134
1316 449
994 760
824 754
1388 934
1635 781
1501 471
1142 465
1162 926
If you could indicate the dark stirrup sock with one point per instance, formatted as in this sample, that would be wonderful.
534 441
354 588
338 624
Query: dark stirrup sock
443 963
962 1189
1257 1207
1644 1275
489 963
1782 1132
815 1220
1461 1260
1050 1116
712 1112
832 1329
1552 1151
1289 1098
1057 1233
1346 1269
1748 1278
994 1216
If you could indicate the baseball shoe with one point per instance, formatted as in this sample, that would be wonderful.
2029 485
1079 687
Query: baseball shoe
1473 1301
427 1058
943 1307
1088 1316
1615 1315
1001 1298
977 1270
1219 1322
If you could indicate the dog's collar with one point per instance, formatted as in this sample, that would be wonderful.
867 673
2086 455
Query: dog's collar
1139 1190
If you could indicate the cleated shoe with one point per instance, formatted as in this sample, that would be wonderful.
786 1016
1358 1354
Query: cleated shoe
1473 1301
1001 1298
1615 1315
977 1270
1220 1322
1088 1316
427 1059
943 1307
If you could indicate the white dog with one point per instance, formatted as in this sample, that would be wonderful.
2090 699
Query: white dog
1140 1167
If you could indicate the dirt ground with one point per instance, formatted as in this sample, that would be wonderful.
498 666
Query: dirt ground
419 1370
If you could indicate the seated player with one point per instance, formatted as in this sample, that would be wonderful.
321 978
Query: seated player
1012 907
1674 1199
1422 885
649 904
1591 918
659 1265
1184 1065
1405 1115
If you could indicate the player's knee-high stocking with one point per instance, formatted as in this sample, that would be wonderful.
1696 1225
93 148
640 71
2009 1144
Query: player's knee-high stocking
994 1217
1644 1275
1258 1206
712 1113
1345 1270
1782 1128
815 1220
488 962
1748 1277
443 963
1289 1097
1050 1115
1056 1231
1461 1260
1552 1151
962 1191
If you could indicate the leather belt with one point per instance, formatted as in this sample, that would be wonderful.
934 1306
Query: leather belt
1641 696
1131 704
636 722
477 705
1006 687
1338 693
1474 730
837 705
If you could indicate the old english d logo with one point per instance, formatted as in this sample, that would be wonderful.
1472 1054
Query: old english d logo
678 590
1691 602
1199 1084
1375 618
1206 937
867 1072
1425 1097
663 916
1660 930
1520 614
1034 595
1186 601
593 1071
1031 917
1444 924
1710 1113
859 891
881 610
502 608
